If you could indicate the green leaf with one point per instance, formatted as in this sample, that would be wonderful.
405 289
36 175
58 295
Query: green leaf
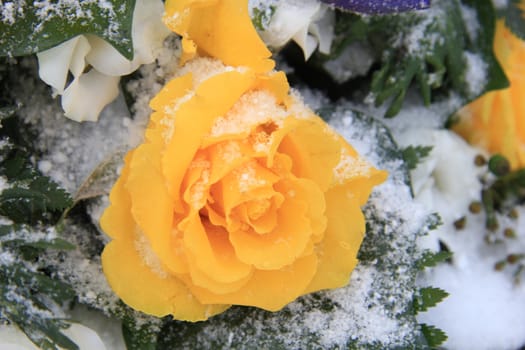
55 289
32 26
435 50
29 295
27 205
428 297
31 197
514 16
143 337
434 336
262 16
414 155
431 259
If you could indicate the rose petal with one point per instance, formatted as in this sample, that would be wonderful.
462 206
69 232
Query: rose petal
314 150
337 251
283 245
269 290
117 221
198 115
143 290
221 29
211 251
152 207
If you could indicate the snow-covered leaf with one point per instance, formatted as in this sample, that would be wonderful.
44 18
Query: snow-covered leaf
32 26
374 7
433 335
413 155
444 50
431 259
428 297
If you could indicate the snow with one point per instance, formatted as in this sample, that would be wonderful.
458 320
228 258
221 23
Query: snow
482 301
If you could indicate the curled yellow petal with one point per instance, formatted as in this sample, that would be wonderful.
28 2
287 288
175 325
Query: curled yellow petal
221 29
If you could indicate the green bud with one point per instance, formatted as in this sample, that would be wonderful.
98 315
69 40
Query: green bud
499 165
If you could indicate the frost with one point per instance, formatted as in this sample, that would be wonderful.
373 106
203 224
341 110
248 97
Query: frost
476 73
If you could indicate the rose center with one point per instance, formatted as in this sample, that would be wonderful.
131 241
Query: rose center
257 208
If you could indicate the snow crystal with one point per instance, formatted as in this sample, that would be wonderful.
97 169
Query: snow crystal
476 74
355 60
500 4
470 19
252 109
11 10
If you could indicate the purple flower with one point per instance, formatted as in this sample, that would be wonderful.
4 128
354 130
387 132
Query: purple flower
379 6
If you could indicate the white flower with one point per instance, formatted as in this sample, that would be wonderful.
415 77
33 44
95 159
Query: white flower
307 22
96 66
446 180
11 338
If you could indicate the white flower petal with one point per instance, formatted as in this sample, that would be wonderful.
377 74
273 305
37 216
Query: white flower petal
55 63
11 338
306 42
107 60
86 96
289 19
308 23
84 337
323 28
148 34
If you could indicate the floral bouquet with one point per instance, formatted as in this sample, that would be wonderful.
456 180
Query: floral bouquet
278 174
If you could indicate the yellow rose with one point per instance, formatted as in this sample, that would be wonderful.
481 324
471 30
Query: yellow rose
239 194
496 121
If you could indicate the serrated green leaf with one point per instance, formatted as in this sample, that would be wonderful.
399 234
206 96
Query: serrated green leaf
434 336
414 155
28 27
16 166
27 205
431 259
31 196
428 297
514 16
